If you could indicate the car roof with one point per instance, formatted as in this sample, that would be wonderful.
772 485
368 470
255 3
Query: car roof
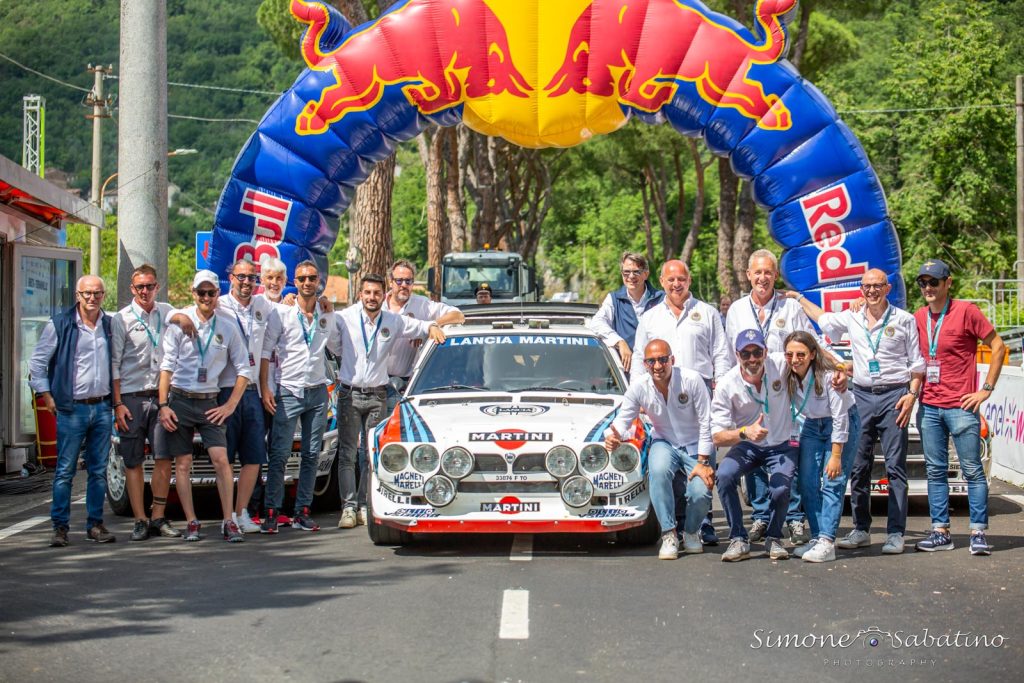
535 318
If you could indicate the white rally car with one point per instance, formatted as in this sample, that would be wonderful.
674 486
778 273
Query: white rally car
502 430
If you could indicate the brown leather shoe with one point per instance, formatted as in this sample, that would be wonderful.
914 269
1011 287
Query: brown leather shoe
100 534
59 538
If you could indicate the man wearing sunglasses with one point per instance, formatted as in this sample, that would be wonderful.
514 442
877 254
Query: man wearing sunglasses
401 301
190 374
137 332
887 373
949 331
70 371
752 416
616 320
677 403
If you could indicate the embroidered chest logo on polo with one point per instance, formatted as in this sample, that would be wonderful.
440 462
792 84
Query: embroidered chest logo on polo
259 315
684 398
818 390
323 323
780 323
695 316
385 333
777 385
890 331
219 338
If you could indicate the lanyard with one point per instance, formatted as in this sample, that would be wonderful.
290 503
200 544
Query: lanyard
245 335
807 383
878 340
933 339
308 334
145 326
764 401
368 343
199 344
768 318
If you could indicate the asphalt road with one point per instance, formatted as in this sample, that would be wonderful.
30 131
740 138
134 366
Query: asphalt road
330 606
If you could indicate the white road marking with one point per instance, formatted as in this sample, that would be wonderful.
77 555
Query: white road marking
1016 498
522 548
21 526
515 615
80 501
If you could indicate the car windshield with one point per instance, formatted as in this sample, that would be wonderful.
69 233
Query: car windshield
462 281
519 362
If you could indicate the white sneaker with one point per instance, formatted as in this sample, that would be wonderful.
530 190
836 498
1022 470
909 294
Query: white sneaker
669 546
692 544
799 551
823 551
348 519
738 549
775 549
854 539
893 545
361 516
245 523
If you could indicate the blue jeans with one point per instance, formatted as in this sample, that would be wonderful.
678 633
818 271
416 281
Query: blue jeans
761 497
936 426
781 462
823 497
664 461
311 411
91 425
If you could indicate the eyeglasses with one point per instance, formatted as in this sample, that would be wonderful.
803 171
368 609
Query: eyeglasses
307 278
923 282
253 277
402 280
756 352
92 295
631 273
206 293
799 355
144 288
659 360
870 286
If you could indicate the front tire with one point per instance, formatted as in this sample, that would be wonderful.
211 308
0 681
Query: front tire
381 534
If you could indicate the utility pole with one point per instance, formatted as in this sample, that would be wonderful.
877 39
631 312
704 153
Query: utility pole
1020 191
142 143
99 112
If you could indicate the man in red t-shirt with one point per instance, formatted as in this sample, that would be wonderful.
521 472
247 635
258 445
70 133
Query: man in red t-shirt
949 332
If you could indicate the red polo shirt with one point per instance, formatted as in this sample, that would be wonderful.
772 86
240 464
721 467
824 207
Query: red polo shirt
956 351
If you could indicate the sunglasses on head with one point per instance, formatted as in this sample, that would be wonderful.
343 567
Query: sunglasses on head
307 278
206 293
144 288
756 352
923 282
657 360
402 280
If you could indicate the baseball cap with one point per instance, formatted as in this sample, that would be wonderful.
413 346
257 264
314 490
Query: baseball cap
207 276
935 268
482 287
748 337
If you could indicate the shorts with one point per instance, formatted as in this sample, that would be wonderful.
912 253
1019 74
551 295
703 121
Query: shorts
191 416
141 427
246 433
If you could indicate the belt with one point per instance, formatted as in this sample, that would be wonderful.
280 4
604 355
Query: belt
362 390
93 400
880 388
148 393
251 387
194 395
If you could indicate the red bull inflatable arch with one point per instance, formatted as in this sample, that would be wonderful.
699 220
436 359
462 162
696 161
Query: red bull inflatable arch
544 73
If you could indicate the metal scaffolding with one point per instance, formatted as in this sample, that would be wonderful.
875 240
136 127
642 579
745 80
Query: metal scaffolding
33 150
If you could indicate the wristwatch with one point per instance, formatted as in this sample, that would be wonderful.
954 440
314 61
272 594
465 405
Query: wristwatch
988 387
743 433
706 462
162 405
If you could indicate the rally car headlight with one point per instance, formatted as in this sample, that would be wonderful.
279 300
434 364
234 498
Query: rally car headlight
593 458
577 491
439 491
626 457
457 462
425 458
394 457
560 461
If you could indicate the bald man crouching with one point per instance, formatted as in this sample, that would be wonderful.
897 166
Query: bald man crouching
677 403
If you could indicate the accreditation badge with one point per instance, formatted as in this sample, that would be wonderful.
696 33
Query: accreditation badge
931 372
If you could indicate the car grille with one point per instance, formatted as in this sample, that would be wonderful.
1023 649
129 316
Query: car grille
524 487
524 462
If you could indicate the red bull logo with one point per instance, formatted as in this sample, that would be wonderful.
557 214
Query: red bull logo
824 212
466 67
271 219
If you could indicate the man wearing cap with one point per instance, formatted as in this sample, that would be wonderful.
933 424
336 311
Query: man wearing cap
368 337
136 333
949 331
483 293
190 373
677 403
616 320
751 415
401 301
70 372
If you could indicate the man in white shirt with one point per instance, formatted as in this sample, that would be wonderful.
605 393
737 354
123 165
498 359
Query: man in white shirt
677 403
136 333
70 372
887 373
751 415
775 316
616 320
298 335
190 373
368 337
401 301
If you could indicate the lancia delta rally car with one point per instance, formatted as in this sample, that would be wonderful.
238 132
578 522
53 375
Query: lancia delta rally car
502 430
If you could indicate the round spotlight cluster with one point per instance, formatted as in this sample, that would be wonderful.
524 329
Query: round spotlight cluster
593 458
457 462
425 458
577 491
394 457
626 457
560 461
439 491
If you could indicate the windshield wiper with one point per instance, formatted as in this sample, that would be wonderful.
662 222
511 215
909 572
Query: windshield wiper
519 391
454 387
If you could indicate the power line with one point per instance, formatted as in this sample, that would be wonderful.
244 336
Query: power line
217 87
42 75
203 118
914 109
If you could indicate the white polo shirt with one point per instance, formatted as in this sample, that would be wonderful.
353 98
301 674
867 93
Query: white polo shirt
782 316
366 344
299 344
684 420
696 337
895 336
827 403
251 324
136 345
738 403
403 355
182 357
